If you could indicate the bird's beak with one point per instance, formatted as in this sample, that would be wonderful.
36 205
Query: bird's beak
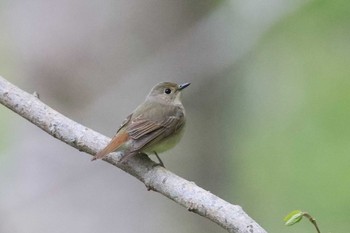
183 86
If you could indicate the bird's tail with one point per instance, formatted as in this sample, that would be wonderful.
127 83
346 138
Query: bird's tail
113 145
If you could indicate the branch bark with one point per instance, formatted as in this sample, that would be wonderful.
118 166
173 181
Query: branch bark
186 193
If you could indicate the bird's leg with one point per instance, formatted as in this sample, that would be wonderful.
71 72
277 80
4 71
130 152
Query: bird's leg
159 160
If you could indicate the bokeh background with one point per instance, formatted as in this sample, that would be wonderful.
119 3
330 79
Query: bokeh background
268 110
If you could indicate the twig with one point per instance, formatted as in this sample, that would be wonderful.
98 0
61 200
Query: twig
312 220
186 193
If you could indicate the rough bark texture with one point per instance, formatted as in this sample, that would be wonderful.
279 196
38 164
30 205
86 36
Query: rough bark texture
156 178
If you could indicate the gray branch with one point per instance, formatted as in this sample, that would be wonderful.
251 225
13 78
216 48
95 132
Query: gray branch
156 178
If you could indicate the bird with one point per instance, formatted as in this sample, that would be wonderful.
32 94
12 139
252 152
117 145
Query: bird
155 126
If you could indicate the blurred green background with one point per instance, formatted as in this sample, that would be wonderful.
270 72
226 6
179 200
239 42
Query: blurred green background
293 140
268 110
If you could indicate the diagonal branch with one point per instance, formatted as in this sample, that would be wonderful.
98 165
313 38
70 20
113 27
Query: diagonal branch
186 193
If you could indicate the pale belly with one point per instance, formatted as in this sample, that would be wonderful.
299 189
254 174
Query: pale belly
166 143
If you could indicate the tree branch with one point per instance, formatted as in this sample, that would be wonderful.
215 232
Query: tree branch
186 193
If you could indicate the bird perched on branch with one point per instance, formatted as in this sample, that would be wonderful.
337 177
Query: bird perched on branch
153 127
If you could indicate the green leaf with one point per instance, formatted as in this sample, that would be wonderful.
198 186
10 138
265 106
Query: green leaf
293 217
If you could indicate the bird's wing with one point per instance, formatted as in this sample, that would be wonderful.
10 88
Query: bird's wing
146 130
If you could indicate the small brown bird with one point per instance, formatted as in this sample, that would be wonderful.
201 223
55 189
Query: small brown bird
155 126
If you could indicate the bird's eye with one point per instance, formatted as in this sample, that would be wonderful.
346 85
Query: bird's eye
167 91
